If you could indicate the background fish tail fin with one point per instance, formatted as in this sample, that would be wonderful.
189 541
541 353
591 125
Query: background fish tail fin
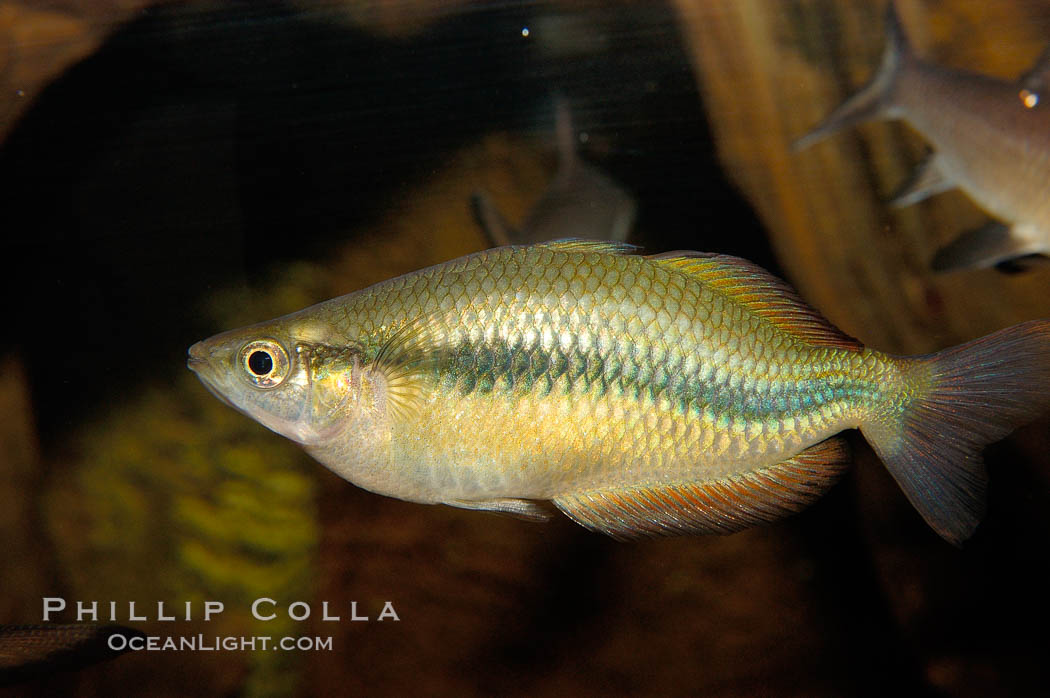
954 404
876 97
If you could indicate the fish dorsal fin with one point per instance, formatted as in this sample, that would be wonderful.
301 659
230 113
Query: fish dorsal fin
403 359
761 293
582 245
723 506
565 136
491 221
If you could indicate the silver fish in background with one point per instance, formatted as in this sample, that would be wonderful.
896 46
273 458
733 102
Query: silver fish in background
991 139
581 201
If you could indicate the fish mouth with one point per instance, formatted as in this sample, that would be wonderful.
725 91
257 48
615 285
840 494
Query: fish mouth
197 360
196 357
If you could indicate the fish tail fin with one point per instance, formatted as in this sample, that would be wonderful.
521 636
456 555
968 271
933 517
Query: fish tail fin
951 405
876 97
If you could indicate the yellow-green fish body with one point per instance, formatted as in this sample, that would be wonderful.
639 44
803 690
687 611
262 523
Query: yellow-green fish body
662 394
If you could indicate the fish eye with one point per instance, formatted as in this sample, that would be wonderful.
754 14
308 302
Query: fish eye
260 362
265 363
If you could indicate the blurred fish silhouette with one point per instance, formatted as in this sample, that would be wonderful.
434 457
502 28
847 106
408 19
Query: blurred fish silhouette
34 651
991 139
580 202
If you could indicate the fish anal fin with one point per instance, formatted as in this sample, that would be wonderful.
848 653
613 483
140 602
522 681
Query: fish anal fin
721 506
989 245
928 180
761 293
518 508
1020 265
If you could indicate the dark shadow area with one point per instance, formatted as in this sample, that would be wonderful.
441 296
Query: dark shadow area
872 656
559 617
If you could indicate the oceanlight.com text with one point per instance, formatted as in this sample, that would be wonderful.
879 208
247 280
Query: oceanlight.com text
119 642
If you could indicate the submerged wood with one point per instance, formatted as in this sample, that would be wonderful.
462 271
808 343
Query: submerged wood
770 71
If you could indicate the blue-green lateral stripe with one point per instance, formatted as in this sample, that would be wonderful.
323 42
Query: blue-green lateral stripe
510 369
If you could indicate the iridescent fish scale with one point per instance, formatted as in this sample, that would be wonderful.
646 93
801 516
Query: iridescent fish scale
638 368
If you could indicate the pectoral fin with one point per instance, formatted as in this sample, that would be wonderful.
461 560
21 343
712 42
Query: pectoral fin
718 506
403 360
986 246
928 180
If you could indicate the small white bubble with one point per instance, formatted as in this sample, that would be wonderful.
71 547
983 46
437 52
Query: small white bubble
525 32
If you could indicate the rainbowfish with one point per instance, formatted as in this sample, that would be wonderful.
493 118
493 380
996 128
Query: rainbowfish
991 139
642 395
